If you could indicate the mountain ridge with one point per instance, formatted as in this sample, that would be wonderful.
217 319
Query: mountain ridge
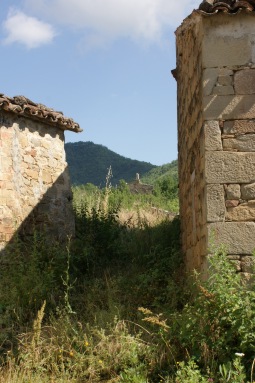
89 163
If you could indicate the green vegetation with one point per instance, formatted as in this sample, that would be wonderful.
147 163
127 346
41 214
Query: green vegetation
89 163
160 173
114 305
164 196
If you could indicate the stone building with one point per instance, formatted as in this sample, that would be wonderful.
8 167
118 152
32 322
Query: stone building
34 181
216 131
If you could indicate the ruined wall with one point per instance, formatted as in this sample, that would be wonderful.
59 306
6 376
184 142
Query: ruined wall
217 147
34 181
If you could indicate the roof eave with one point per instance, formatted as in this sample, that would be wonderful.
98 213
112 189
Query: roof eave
23 107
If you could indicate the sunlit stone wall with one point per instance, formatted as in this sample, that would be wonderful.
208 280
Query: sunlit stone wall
34 181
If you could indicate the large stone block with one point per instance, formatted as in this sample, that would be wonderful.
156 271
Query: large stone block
229 107
228 167
223 51
244 212
212 134
238 237
245 143
244 81
239 127
215 203
223 90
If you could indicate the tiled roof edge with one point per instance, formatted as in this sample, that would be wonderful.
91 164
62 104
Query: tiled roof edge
226 6
22 106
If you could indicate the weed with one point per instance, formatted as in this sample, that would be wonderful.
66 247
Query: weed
91 330
189 373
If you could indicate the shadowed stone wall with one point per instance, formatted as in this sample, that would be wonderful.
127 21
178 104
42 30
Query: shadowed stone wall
216 133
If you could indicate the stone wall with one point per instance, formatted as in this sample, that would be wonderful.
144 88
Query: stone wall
34 180
220 206
190 141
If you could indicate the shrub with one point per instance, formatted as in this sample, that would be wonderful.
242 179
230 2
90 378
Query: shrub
33 271
220 320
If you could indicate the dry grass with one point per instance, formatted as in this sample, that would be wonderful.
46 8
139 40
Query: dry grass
150 217
21 376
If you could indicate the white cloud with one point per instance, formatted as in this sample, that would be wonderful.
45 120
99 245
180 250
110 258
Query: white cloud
107 20
26 30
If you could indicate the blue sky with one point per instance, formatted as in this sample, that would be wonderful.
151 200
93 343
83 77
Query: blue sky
105 63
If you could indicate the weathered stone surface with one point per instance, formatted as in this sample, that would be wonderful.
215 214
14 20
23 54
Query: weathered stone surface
232 203
243 212
225 80
244 143
226 72
234 257
28 159
210 76
229 107
238 237
191 140
214 157
215 203
32 174
222 51
223 90
233 192
244 81
228 167
248 191
212 135
239 127
248 264
46 177
46 144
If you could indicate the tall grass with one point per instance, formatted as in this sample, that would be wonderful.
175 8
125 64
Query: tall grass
114 305
161 198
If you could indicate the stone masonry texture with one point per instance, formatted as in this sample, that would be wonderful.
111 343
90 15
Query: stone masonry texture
216 136
35 188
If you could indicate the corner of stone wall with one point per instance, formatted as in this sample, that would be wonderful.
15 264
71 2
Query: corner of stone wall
216 138
229 126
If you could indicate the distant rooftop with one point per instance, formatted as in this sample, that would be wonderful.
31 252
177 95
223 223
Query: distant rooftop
22 106
227 6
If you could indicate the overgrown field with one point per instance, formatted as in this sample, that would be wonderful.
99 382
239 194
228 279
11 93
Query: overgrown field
114 304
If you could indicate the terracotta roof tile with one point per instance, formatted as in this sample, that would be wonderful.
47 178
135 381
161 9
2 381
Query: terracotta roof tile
227 6
22 106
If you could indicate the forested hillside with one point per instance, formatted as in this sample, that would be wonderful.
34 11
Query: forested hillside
161 172
89 163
